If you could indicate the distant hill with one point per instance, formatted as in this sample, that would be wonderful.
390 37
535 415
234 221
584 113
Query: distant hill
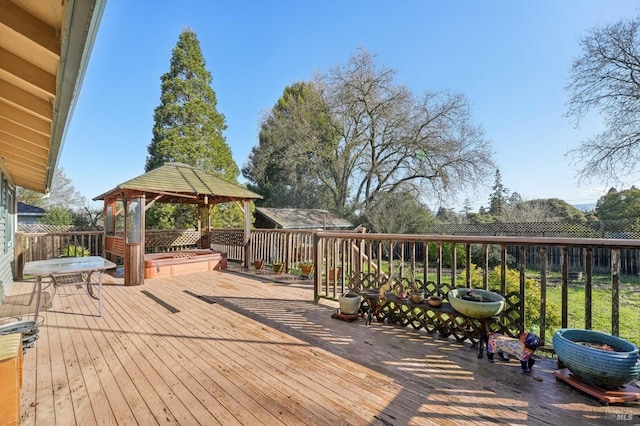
585 207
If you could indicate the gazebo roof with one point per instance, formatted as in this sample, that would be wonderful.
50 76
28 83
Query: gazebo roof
181 183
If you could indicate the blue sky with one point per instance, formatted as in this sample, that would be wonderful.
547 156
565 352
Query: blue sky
510 59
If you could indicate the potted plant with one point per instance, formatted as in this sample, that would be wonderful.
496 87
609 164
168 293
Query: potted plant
335 274
258 263
306 269
417 293
349 303
278 267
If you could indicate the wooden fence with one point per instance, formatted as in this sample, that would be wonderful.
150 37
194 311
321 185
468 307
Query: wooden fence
41 246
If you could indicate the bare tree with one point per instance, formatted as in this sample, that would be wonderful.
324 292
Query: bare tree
63 193
606 80
391 139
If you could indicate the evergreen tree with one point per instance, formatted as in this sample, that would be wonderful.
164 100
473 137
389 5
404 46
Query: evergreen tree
296 138
499 196
189 129
619 205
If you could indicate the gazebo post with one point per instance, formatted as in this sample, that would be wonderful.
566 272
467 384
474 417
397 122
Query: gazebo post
134 203
204 226
247 233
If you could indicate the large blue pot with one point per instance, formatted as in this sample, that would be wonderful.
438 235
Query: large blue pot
598 367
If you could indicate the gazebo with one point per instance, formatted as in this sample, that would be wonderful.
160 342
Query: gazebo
170 183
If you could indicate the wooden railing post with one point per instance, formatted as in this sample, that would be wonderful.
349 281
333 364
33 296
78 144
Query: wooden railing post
543 293
523 291
588 286
19 255
565 287
615 292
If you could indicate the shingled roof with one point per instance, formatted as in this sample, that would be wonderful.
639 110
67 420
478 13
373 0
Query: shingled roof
182 183
268 217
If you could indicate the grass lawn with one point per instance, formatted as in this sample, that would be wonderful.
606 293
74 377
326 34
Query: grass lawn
601 309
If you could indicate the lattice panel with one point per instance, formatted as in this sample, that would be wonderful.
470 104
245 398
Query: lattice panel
169 238
228 238
596 229
444 320
512 318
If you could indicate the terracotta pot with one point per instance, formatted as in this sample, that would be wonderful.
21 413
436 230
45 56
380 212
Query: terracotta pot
306 269
335 274
258 264
278 268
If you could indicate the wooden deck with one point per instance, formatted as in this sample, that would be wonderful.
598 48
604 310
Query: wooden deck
226 348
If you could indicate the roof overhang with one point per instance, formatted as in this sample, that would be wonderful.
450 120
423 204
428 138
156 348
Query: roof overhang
44 52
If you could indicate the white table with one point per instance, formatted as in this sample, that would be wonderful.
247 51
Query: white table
66 266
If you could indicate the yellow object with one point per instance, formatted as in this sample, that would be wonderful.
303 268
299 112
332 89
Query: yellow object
10 378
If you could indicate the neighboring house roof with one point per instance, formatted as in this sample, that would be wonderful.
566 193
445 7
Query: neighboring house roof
29 210
301 218
181 183
44 51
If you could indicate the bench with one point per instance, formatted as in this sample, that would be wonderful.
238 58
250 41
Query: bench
385 306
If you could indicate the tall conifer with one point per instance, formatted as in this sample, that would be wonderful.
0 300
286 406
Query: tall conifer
188 127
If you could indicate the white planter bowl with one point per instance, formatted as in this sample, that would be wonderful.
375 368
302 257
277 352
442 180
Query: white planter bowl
349 303
493 305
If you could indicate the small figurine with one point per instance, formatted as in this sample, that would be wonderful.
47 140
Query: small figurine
522 348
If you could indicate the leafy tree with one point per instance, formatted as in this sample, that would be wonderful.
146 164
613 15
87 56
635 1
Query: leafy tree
466 207
398 213
188 129
446 215
483 216
499 197
375 137
619 205
296 136
57 215
461 254
542 210
605 80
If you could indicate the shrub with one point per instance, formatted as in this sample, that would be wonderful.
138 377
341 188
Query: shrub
532 296
57 215
461 254
75 251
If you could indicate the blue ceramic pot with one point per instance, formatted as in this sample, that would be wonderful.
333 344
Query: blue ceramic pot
599 367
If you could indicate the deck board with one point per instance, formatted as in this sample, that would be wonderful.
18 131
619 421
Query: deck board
265 353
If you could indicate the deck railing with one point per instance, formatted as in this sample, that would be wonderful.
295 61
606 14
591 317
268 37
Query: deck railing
290 247
444 260
41 246
341 258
